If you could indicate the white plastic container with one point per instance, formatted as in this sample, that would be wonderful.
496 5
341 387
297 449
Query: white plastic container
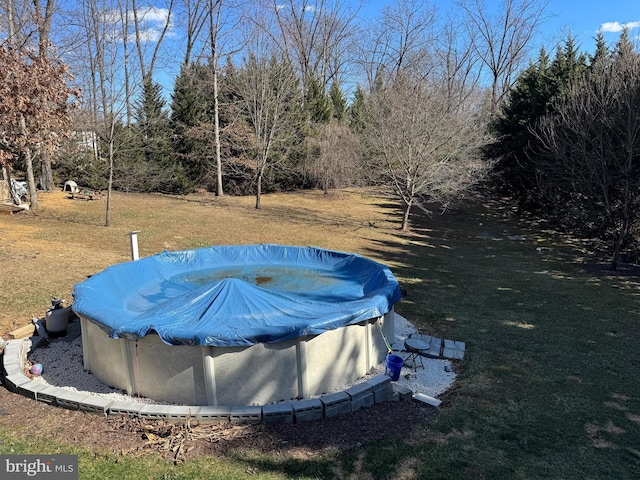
57 320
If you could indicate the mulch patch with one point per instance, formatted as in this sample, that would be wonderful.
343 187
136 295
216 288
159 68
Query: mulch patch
180 442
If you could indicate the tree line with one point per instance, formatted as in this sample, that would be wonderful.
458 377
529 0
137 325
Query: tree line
568 142
270 71
274 96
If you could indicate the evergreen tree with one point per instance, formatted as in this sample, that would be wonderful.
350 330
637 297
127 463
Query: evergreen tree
153 129
338 102
532 97
568 66
590 151
152 122
190 107
356 111
188 104
316 102
624 47
601 52
528 101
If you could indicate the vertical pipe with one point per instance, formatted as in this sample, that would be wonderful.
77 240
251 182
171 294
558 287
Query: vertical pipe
134 245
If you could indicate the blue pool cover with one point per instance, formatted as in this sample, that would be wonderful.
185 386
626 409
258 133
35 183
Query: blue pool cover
236 295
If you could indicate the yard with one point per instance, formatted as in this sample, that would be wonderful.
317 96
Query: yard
548 387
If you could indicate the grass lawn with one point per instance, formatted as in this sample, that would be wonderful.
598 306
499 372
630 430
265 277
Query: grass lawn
549 384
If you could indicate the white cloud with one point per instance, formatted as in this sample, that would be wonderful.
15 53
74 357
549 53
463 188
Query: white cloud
151 21
152 15
305 8
615 27
146 35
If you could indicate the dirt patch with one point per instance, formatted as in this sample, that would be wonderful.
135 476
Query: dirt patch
180 442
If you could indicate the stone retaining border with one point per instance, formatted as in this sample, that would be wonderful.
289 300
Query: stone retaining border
375 390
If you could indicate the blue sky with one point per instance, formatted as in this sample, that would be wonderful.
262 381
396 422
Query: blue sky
584 17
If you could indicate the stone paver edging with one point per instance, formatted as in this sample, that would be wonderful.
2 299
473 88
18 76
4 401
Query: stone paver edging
439 348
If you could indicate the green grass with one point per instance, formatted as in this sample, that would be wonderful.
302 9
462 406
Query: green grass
108 466
549 384
549 387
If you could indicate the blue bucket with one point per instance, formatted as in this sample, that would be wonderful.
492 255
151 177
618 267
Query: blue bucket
394 365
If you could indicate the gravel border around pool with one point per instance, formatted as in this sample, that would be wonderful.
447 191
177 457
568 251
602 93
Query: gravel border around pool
426 383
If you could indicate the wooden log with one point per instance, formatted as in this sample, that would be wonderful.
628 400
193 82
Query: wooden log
22 332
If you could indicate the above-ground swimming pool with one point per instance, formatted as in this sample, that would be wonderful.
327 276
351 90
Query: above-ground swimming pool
236 325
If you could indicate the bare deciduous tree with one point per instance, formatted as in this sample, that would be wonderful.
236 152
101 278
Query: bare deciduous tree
195 14
502 39
104 37
16 19
456 61
315 35
43 15
338 151
145 37
28 26
214 11
402 39
429 147
270 95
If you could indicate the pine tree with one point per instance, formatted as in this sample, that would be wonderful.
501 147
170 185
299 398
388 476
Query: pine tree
338 102
190 111
152 119
528 101
601 52
153 127
589 156
568 65
532 97
356 111
316 102
188 104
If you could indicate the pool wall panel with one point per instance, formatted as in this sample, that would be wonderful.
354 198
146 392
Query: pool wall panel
168 374
256 375
109 357
261 374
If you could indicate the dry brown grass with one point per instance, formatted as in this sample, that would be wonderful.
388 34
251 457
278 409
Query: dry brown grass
45 253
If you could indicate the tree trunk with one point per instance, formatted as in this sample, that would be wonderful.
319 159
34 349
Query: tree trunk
44 29
14 196
216 121
46 180
33 192
615 258
617 249
258 190
405 216
107 219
